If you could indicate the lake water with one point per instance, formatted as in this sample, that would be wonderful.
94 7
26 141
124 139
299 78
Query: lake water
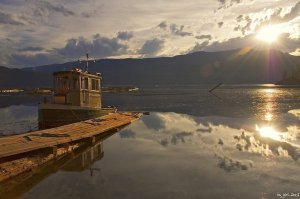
239 142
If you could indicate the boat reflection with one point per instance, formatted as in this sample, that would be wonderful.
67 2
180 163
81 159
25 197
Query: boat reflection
85 159
77 161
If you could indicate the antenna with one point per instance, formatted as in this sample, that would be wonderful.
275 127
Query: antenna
86 68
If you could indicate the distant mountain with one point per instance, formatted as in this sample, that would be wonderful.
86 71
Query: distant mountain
241 66
17 78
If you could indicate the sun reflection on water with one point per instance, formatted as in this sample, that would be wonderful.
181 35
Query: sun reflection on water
269 132
268 116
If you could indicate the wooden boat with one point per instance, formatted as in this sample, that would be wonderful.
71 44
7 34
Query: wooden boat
77 97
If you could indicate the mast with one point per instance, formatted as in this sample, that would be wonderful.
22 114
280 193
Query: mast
87 62
86 67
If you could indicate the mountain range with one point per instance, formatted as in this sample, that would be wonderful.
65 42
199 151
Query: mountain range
240 66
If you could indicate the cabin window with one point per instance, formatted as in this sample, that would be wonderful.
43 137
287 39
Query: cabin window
85 83
95 84
62 83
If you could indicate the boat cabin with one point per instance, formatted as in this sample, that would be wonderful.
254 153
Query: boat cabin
77 88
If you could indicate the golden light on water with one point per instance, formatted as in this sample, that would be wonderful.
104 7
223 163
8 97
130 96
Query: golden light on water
268 116
269 90
269 132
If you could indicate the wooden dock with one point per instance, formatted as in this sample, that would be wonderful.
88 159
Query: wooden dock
63 136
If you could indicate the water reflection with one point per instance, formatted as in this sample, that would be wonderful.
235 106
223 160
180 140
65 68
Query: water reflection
211 131
269 132
183 156
198 146
18 119
78 160
85 159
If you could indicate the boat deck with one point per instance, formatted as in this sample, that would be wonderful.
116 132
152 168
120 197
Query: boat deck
63 135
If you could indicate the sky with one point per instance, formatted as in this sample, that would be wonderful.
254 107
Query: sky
40 32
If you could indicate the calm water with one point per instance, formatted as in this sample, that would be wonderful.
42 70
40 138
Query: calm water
242 142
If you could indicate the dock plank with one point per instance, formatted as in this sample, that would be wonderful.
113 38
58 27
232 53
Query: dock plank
18 144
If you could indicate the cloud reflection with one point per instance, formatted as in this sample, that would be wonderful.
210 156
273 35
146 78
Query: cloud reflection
216 135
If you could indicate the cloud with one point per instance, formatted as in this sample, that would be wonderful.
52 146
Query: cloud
239 18
99 46
178 30
89 14
44 9
11 19
179 137
208 37
154 122
163 25
223 4
127 133
278 17
246 24
124 35
229 164
151 47
174 29
295 12
220 24
32 48
285 43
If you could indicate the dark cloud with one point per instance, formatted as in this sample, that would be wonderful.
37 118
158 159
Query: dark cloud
124 35
178 30
174 29
222 1
154 122
199 47
127 133
89 14
220 24
75 47
32 48
204 130
239 18
229 164
233 43
163 25
45 8
223 4
245 25
151 47
164 142
100 46
209 37
6 18
179 137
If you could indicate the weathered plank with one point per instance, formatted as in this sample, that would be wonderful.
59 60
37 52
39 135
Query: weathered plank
18 144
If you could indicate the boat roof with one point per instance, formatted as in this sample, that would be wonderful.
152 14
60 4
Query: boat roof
78 71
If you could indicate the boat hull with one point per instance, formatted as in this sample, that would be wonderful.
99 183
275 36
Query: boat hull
54 115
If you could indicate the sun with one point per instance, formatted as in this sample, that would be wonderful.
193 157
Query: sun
269 33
